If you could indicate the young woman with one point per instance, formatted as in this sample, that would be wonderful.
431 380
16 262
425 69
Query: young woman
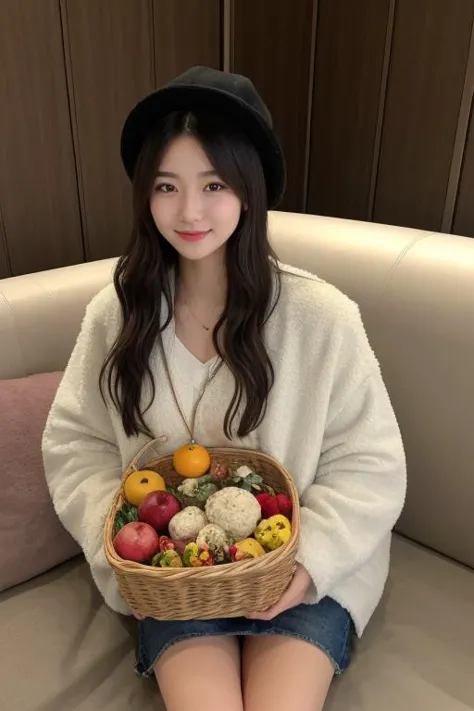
204 335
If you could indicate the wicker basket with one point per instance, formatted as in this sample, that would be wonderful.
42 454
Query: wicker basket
227 590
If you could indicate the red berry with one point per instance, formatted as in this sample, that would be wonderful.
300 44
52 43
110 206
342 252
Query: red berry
284 505
270 507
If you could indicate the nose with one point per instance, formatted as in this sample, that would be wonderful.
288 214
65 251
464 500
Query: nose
191 206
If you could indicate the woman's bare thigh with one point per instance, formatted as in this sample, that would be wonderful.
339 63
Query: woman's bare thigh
201 674
283 672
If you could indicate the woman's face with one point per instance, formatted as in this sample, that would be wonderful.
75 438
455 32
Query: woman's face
191 206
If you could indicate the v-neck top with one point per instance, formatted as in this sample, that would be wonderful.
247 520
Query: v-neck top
190 375
189 378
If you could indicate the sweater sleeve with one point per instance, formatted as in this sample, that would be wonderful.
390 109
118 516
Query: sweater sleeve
360 484
81 457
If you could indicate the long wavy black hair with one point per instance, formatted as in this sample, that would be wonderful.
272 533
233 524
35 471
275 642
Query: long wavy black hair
143 275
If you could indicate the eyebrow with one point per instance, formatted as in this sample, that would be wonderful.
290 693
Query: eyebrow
167 174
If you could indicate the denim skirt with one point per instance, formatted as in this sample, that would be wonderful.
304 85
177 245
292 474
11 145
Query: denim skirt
326 625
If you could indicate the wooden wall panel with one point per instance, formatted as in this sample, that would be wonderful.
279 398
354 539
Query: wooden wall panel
186 33
464 215
109 54
426 80
38 190
272 44
5 270
348 88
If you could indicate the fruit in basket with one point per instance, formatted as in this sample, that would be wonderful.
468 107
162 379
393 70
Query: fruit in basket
195 492
136 541
191 460
166 544
285 505
219 471
139 484
187 523
235 510
195 556
216 539
278 504
273 532
181 545
158 509
167 559
248 548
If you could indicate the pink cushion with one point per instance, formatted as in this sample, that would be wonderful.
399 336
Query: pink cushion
32 539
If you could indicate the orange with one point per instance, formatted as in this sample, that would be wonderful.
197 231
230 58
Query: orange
191 460
141 483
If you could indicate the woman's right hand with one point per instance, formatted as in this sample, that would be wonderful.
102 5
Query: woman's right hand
137 615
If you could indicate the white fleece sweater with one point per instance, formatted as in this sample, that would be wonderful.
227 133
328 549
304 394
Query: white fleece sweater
329 421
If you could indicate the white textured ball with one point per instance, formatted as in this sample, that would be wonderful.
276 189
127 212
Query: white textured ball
214 536
187 523
235 510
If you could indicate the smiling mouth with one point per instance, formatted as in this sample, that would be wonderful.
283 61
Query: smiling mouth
193 236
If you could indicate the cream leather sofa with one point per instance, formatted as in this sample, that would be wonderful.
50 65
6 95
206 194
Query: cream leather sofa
63 650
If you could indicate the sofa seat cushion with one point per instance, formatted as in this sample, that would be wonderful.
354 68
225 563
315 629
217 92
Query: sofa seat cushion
418 650
64 650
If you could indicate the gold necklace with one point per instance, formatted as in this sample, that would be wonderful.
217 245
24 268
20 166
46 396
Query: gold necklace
206 328
211 375
188 306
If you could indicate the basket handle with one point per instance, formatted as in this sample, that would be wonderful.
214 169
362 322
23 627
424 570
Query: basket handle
140 459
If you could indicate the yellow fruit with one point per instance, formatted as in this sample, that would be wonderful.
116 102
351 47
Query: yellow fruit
273 532
191 460
141 483
249 547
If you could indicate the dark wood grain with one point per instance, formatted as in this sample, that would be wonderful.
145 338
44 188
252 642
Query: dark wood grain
38 189
110 67
5 270
350 45
426 80
464 216
186 33
272 45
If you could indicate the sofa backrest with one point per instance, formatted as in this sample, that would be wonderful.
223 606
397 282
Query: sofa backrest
416 293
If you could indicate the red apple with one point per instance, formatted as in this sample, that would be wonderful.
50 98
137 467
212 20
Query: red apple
137 541
158 509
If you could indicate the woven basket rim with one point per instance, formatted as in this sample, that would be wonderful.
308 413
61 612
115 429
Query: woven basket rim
217 451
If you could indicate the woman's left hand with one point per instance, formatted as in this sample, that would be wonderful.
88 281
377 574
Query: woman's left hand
293 595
